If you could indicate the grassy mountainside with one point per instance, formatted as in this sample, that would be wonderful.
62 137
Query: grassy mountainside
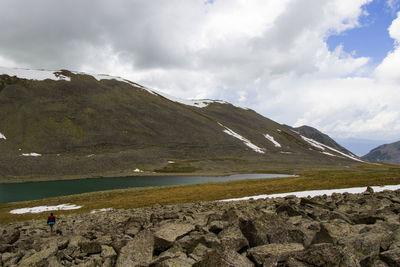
388 153
313 133
82 126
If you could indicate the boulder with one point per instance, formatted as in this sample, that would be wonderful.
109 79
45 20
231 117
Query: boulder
90 247
366 246
189 242
12 237
166 234
199 252
270 229
172 260
224 258
391 257
333 231
217 226
288 209
233 238
39 258
10 259
327 255
138 251
53 262
108 253
272 253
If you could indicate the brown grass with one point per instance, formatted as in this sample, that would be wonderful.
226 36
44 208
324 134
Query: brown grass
134 198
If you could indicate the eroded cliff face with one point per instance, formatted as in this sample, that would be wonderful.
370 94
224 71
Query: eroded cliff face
338 230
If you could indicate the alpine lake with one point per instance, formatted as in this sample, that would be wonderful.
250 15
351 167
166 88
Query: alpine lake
38 190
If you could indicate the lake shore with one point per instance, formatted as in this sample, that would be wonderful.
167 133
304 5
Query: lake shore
144 197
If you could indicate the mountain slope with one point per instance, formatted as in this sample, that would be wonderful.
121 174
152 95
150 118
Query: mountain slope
388 153
66 123
313 133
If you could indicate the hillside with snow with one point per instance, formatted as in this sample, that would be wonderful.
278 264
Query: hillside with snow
69 123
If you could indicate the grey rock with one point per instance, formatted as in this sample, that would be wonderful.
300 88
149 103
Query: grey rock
366 246
12 237
108 252
270 229
326 255
138 251
199 252
53 262
39 258
217 226
391 257
224 258
272 253
233 238
166 234
90 247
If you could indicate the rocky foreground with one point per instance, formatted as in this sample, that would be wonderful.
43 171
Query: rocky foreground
338 230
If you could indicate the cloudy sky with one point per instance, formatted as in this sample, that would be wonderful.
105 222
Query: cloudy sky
330 64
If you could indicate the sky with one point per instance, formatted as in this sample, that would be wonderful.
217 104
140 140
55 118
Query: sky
330 64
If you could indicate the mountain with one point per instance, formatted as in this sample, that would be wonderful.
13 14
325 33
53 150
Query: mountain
388 153
360 146
63 123
313 133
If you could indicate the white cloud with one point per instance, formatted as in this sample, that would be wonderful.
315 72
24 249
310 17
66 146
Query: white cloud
387 71
270 55
393 4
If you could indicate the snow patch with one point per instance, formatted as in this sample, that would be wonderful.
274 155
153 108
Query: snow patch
39 75
171 161
313 193
33 154
241 138
199 103
323 147
286 152
89 156
329 154
137 170
100 210
278 130
2 136
55 75
39 209
271 138
313 142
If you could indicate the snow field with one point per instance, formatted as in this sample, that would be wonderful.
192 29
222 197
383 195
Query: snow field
271 138
31 154
241 138
33 74
39 209
313 193
322 147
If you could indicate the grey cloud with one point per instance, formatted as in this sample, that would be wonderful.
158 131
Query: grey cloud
57 33
160 42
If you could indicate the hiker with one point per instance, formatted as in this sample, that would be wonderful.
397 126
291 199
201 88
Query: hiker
51 221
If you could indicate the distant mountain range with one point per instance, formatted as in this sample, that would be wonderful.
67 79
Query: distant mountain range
63 123
388 153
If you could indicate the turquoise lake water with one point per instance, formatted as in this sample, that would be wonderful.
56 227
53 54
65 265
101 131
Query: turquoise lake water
39 190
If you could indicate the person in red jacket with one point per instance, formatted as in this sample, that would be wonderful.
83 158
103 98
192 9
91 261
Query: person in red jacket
51 221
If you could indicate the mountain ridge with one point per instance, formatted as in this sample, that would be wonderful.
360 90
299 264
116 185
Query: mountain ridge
387 153
80 124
